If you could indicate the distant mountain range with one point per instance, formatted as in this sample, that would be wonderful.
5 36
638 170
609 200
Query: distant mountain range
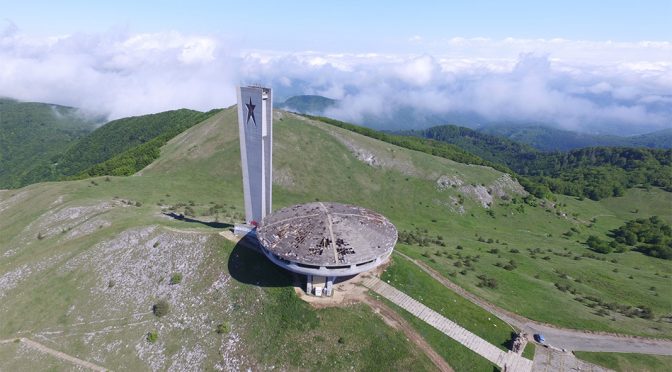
544 138
308 104
595 172
551 139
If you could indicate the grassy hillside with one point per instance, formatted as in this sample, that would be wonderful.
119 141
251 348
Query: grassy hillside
32 134
628 362
83 262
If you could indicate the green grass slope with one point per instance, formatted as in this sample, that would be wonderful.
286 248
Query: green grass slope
626 362
82 262
32 134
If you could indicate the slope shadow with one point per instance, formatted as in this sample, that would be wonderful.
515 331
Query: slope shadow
249 266
181 217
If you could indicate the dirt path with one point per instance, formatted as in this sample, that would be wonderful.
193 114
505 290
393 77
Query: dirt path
563 338
60 355
395 321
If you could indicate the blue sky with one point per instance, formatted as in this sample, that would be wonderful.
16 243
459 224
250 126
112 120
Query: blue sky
352 25
593 66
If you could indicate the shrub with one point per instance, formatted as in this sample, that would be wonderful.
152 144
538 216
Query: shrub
485 281
152 336
161 308
176 278
598 245
511 265
222 328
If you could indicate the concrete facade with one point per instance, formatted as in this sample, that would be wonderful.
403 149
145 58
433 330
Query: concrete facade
255 123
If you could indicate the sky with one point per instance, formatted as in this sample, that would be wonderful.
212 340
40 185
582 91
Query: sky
594 66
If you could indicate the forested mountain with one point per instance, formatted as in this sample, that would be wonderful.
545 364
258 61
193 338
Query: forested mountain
31 134
493 148
550 139
595 172
42 142
121 135
308 104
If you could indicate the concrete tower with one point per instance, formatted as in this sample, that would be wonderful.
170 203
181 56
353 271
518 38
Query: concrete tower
255 122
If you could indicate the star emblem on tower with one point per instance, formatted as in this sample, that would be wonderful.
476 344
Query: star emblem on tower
250 112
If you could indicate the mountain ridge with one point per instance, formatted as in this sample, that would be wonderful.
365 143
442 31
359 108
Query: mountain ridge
84 261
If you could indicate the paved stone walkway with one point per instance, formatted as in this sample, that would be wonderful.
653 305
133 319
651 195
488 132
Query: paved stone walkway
507 361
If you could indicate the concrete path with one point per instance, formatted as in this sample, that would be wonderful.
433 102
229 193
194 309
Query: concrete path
398 322
60 355
563 338
506 361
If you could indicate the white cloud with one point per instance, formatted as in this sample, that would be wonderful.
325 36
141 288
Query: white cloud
116 74
572 84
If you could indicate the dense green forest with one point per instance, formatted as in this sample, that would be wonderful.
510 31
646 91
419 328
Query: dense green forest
121 135
43 142
32 133
651 236
138 157
601 172
595 172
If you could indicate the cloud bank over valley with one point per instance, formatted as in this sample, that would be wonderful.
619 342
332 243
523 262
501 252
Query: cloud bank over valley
623 87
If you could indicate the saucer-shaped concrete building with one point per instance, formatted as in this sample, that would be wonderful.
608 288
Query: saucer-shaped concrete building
326 240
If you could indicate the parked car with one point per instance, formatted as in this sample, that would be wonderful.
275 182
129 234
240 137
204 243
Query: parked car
539 338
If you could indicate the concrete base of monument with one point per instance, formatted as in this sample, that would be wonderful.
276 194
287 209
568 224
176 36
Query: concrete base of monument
346 290
248 241
244 229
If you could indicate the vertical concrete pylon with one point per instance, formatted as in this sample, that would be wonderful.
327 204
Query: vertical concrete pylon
255 123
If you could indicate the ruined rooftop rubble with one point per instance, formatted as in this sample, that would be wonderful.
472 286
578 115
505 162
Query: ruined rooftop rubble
327 234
